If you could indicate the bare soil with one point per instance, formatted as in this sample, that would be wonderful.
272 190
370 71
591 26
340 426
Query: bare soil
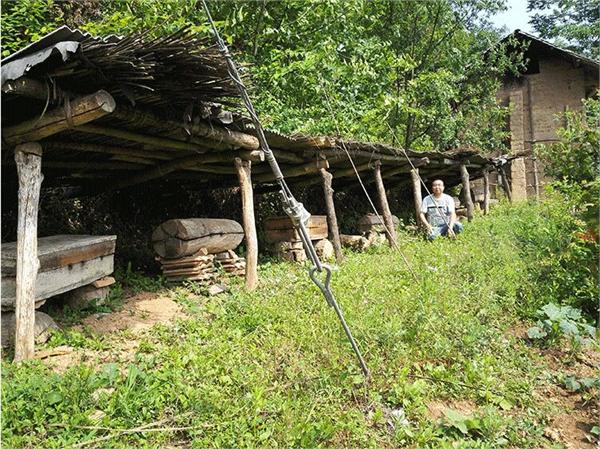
139 313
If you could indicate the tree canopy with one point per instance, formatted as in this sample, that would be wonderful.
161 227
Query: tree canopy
574 24
418 74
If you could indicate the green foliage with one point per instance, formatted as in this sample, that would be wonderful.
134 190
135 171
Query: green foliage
138 282
562 321
574 384
25 21
574 24
411 73
575 157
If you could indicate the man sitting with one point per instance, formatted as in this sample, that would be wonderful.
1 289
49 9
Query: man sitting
441 216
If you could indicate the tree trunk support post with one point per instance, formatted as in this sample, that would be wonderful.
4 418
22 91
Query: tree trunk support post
383 204
28 157
416 183
505 183
334 232
243 169
486 191
464 175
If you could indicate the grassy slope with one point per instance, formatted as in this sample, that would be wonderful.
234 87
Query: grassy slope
273 368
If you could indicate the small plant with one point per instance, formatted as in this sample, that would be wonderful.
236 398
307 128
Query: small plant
561 321
138 282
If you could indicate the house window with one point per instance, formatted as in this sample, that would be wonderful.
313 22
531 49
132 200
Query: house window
533 65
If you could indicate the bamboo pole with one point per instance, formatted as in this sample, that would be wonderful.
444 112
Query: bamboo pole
155 141
217 134
299 170
243 169
383 204
78 112
334 232
486 191
417 195
464 174
107 149
28 158
536 181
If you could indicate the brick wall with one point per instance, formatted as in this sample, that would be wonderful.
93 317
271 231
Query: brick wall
558 86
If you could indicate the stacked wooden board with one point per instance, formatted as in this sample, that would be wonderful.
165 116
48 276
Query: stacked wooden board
199 267
231 263
285 241
66 262
189 248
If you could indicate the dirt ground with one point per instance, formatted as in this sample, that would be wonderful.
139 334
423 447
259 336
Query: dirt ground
139 313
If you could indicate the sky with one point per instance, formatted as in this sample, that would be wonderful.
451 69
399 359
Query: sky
515 17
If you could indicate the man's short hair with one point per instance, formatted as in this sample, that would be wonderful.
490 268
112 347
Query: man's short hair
436 180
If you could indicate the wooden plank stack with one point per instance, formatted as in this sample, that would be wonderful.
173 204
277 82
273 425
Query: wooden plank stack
285 241
233 264
199 267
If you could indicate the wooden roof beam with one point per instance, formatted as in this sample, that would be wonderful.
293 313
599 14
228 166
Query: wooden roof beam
76 112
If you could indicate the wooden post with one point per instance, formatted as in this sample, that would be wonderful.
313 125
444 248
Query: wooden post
243 169
464 174
334 232
385 208
416 181
28 157
536 181
505 183
486 191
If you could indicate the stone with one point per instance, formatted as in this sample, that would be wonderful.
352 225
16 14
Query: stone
375 238
355 242
216 289
43 324
85 296
324 249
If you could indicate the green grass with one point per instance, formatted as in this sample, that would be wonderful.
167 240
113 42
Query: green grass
272 368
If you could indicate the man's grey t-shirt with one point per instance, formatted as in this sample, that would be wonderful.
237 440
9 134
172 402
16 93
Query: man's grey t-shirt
438 210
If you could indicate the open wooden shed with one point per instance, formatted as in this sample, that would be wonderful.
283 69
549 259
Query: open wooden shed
100 114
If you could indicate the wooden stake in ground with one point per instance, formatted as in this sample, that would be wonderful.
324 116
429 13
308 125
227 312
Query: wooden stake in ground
28 158
464 174
416 182
385 208
486 191
243 169
505 184
334 232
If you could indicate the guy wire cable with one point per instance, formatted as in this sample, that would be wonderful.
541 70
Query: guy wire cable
395 244
295 210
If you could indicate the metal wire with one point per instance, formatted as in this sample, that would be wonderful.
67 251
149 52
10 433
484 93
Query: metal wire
295 210
393 241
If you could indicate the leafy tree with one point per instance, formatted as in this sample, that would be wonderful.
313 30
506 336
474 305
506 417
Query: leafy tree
412 73
574 24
